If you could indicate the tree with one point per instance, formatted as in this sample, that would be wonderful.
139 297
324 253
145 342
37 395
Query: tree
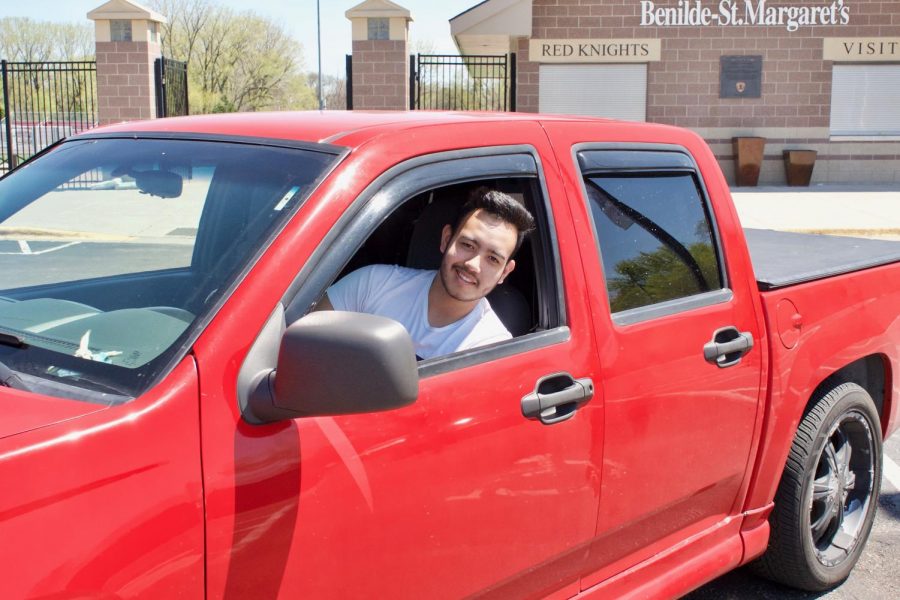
236 61
662 275
334 91
26 40
186 19
36 89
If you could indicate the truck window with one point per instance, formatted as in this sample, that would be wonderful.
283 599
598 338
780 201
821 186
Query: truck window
655 237
403 227
113 249
410 237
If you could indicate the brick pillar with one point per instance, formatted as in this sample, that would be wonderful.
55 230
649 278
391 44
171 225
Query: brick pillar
380 55
380 75
527 86
127 42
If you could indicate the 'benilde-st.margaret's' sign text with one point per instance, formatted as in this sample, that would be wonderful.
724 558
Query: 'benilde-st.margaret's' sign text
743 13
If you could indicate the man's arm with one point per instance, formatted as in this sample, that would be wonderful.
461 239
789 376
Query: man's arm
351 292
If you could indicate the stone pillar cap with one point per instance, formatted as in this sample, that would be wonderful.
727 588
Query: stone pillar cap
378 9
125 9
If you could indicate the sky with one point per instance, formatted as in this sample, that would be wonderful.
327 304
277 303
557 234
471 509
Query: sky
430 21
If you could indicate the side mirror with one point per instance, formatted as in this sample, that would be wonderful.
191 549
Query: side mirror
336 363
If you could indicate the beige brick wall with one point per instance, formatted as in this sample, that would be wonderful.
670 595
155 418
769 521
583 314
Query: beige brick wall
125 81
380 75
683 88
527 82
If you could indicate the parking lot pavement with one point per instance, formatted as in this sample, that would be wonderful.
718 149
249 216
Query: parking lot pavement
108 216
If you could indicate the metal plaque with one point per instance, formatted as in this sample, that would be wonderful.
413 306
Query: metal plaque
740 77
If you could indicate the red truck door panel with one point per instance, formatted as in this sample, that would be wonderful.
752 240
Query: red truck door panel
456 494
679 424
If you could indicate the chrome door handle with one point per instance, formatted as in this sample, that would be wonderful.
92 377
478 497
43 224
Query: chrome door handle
727 347
557 397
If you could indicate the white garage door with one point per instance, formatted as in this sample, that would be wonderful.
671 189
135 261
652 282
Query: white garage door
865 100
612 91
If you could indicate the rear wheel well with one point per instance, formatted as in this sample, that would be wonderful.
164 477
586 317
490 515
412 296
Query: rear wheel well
868 372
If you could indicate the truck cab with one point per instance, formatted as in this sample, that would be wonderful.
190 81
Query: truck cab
182 421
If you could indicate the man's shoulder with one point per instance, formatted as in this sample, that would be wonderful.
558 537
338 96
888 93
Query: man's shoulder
388 279
379 274
392 272
489 328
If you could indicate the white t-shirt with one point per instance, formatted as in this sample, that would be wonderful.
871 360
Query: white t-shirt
401 294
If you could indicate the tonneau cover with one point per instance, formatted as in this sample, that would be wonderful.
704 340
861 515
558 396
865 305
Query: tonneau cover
781 258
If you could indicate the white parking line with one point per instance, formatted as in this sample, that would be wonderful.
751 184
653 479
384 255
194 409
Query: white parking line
26 249
891 473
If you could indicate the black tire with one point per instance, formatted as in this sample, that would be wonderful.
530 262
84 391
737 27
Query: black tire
826 501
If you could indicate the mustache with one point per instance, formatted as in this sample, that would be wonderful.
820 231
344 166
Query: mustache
467 271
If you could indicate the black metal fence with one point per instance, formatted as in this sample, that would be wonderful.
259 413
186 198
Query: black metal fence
474 82
44 102
171 88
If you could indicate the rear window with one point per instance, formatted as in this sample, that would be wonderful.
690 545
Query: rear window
112 249
655 238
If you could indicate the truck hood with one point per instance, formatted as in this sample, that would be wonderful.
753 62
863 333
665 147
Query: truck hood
23 411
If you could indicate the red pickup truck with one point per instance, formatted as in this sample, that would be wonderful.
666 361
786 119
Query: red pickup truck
177 422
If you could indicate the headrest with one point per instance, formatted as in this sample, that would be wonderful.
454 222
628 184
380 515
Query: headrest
425 245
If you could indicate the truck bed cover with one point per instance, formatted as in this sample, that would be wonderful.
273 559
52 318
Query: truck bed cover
783 258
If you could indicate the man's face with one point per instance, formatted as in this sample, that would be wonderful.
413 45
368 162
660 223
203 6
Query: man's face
477 257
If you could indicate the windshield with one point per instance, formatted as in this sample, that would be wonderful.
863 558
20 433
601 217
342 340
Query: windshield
111 249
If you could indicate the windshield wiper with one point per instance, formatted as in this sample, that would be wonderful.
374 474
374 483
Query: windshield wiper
9 339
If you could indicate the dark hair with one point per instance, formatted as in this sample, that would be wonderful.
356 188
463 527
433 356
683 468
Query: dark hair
503 206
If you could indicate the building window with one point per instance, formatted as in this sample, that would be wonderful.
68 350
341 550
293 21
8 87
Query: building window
379 29
153 32
120 30
864 100
613 91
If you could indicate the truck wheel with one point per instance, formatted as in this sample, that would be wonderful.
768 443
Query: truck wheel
826 501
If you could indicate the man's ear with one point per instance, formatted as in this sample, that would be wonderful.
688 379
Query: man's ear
446 234
507 270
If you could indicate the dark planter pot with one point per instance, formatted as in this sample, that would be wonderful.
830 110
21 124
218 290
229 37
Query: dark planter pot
798 166
748 157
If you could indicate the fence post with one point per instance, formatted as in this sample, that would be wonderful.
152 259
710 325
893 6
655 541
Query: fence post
348 61
412 82
187 97
512 81
160 80
10 157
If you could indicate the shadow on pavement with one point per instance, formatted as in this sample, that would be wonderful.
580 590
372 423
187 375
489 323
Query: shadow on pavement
742 584
889 504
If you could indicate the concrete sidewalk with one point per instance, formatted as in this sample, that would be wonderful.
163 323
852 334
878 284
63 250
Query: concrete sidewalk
853 210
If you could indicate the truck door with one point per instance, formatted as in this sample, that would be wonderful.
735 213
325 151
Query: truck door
458 494
678 349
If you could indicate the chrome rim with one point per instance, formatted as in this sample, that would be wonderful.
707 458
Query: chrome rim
842 488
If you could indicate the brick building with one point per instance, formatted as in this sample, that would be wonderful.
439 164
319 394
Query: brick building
822 75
